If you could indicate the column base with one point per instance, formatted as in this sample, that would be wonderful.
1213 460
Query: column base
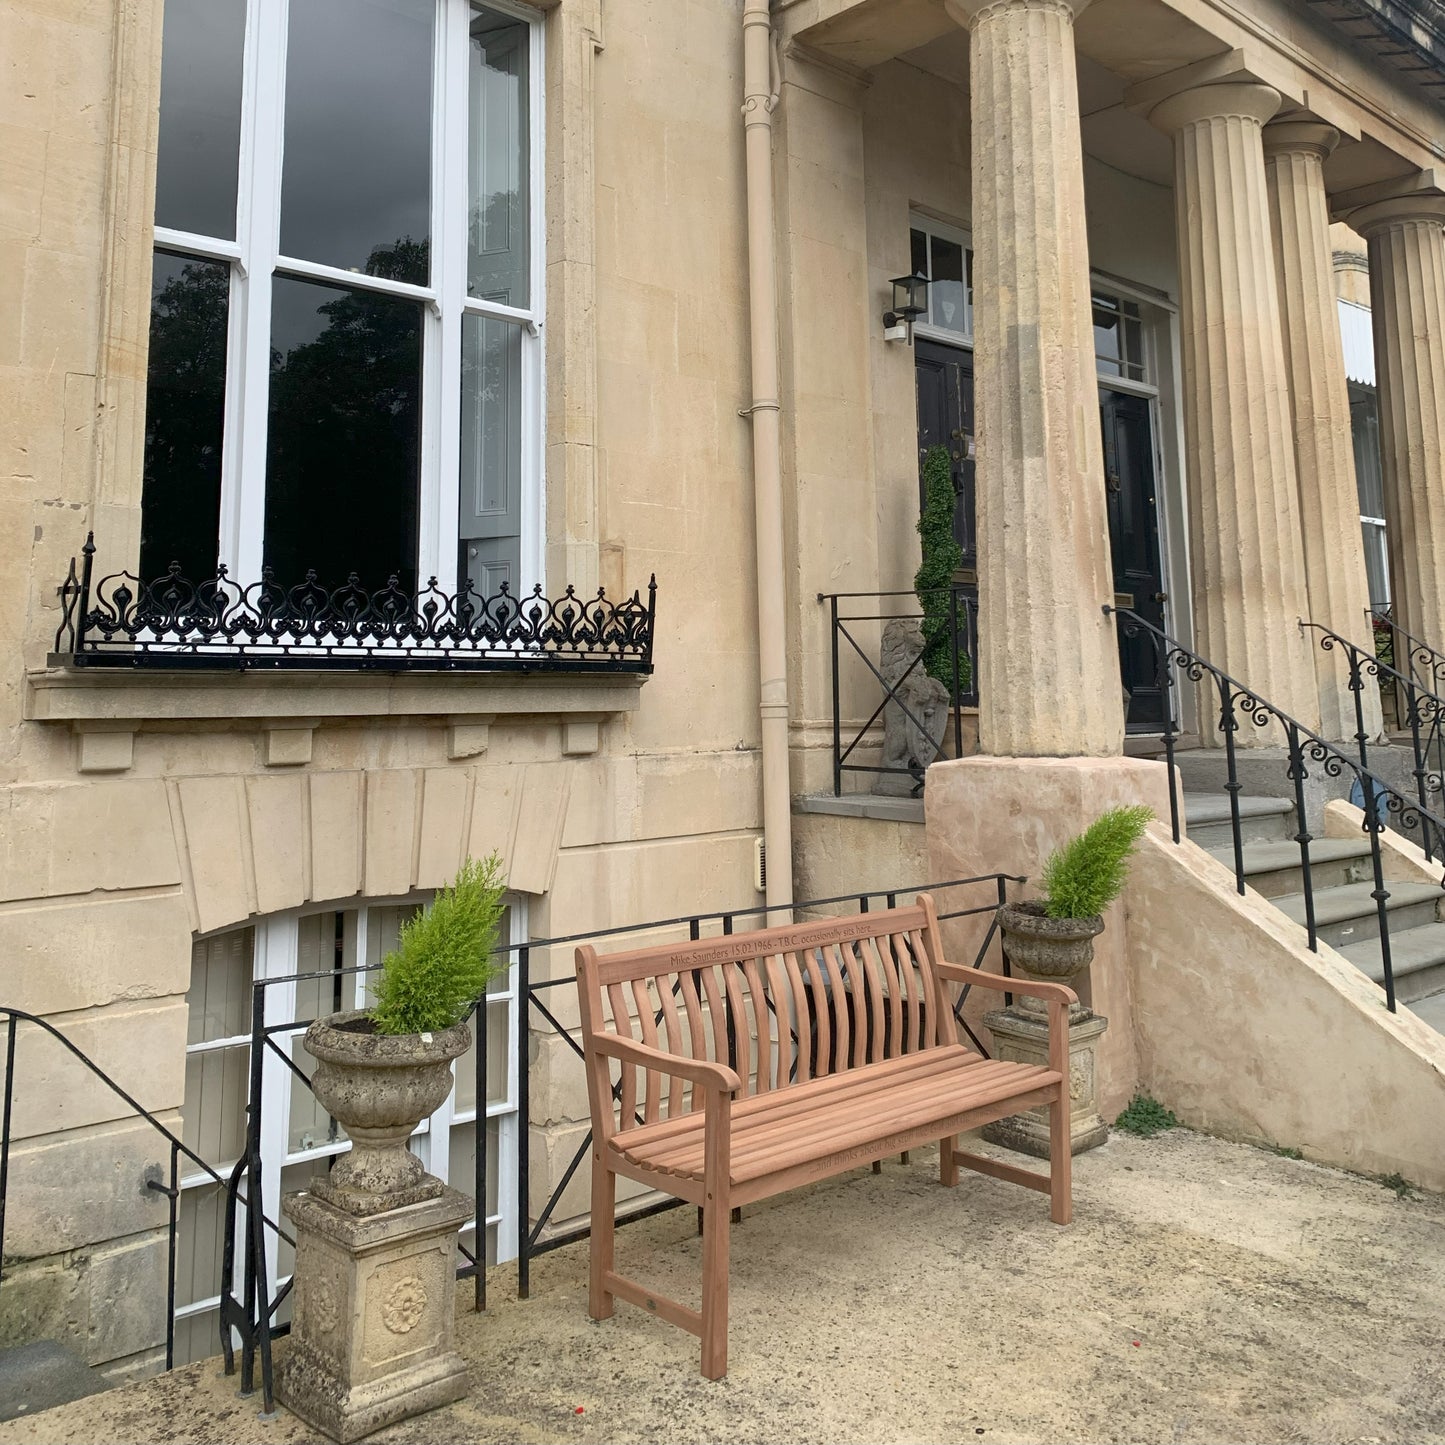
373 1328
1022 1039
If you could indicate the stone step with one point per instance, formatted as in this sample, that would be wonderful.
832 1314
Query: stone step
1273 869
43 1374
1417 959
1261 820
1347 915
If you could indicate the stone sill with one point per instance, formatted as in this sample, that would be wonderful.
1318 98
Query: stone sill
106 708
863 805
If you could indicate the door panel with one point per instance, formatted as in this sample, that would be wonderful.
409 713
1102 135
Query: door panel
945 417
1130 479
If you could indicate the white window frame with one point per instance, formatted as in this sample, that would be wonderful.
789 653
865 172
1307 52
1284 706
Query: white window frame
960 236
255 260
275 956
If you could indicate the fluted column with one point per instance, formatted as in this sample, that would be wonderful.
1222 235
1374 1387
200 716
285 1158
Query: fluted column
1049 662
1407 292
1244 512
1314 358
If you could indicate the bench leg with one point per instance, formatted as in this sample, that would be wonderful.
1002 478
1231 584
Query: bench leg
716 1227
947 1164
604 1223
1061 1159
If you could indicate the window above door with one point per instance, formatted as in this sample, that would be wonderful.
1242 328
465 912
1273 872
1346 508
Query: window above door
944 254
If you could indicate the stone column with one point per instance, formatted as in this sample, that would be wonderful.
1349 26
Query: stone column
1314 358
1049 662
1244 513
1407 289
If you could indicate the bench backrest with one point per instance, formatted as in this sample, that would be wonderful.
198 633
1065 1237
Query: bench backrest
780 1006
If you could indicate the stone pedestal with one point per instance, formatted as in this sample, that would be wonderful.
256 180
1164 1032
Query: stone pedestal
1048 657
372 1334
1407 287
1244 508
1022 1038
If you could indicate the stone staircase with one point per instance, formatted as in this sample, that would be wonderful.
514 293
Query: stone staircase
1342 875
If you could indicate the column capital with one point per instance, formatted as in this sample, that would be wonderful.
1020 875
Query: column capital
1249 100
1312 137
969 12
1424 206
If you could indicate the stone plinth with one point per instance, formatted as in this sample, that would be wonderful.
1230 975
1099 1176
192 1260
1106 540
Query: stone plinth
1022 1038
372 1334
1048 657
985 815
1407 287
1334 549
1244 509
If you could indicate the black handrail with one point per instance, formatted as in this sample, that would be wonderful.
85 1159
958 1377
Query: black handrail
962 608
1423 716
178 1147
252 1318
1305 748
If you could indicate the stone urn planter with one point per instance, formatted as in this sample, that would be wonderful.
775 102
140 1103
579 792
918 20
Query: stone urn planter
373 1336
1050 950
379 1087
1083 877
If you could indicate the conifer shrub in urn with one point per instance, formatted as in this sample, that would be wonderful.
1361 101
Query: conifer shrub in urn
1051 939
381 1071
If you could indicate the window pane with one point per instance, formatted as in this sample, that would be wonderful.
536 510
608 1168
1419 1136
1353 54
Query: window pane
918 252
948 292
318 949
1377 566
1108 342
200 1239
461 1175
213 1117
356 181
185 415
491 480
499 1044
499 159
344 447
219 998
199 145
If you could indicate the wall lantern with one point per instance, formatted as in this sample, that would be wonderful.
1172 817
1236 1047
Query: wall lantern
910 300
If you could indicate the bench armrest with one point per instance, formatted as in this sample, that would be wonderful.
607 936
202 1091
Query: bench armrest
698 1071
999 983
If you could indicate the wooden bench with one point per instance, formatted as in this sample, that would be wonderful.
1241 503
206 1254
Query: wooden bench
716 1075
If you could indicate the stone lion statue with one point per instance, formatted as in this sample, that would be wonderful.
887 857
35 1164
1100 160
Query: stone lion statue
905 743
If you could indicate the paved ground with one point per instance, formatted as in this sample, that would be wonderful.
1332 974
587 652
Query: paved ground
1205 1292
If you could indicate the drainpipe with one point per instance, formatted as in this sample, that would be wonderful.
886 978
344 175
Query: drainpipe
760 99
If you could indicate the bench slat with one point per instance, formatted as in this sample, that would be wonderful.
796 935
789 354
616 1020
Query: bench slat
778 1142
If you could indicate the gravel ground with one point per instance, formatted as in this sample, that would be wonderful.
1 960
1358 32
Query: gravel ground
1206 1291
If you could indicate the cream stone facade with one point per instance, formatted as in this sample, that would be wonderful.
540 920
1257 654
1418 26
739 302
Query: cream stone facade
715 405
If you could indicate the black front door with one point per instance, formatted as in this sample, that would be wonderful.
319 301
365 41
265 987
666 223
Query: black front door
945 418
1129 477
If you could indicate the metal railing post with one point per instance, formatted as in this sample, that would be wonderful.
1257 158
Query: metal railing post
479 1158
5 1121
837 701
524 1124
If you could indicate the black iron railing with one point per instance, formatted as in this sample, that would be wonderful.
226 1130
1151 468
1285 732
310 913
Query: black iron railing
855 623
252 1316
171 1190
1239 707
173 622
1407 656
1419 712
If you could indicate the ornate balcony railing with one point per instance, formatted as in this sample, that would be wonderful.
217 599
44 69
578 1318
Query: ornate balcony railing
175 623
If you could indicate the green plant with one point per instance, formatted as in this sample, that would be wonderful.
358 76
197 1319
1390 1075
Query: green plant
1087 874
1285 1152
443 960
1145 1117
1397 1181
933 581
